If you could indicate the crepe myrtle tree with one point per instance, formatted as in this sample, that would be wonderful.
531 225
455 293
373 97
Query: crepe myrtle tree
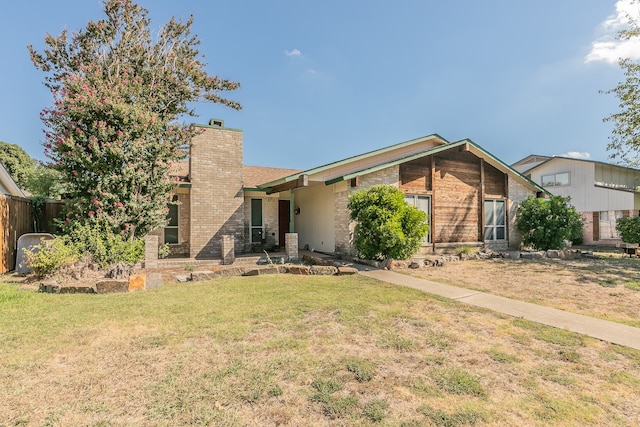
387 227
113 130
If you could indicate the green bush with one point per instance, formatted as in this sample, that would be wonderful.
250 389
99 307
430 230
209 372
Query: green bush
106 246
629 229
51 255
386 225
547 223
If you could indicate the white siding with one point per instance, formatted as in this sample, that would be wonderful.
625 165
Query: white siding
315 223
585 196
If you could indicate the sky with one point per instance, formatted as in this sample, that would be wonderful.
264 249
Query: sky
325 80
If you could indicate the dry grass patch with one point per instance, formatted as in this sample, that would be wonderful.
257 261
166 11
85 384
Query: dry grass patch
291 350
607 288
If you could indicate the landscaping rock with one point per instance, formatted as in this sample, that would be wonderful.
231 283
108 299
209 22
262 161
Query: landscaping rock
299 269
181 278
198 276
553 253
260 271
111 286
323 270
346 271
154 280
137 282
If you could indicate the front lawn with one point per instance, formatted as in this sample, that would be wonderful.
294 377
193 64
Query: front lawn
295 350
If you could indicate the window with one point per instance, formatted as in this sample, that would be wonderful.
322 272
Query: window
423 203
494 220
171 229
256 221
608 222
555 179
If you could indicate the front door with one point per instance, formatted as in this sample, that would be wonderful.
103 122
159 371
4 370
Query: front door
283 220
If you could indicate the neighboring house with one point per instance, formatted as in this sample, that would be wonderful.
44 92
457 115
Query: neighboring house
469 195
601 192
7 185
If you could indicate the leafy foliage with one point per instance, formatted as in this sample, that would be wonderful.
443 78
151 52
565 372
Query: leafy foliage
625 141
386 225
17 162
629 229
547 223
112 130
45 181
51 255
105 246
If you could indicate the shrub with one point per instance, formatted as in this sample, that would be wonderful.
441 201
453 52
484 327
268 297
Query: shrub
386 225
51 255
629 229
547 223
106 246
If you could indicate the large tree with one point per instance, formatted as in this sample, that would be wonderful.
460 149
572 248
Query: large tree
624 145
17 162
113 130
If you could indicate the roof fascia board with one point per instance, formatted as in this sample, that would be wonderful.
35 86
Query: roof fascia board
355 158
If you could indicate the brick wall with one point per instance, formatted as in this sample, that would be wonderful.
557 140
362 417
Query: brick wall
517 193
216 191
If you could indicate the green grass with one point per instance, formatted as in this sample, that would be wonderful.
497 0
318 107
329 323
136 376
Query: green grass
289 350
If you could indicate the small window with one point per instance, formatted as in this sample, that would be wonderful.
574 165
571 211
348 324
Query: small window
555 179
423 203
495 212
256 221
171 229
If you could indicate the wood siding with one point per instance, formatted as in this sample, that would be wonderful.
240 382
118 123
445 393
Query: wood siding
415 176
17 219
455 181
457 208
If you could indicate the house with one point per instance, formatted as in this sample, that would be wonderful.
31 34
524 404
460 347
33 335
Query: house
7 185
601 192
469 195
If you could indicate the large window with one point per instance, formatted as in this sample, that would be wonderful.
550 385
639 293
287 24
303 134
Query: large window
423 203
607 226
555 180
494 219
171 229
256 221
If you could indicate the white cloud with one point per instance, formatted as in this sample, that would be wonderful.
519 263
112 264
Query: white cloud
294 52
575 155
607 48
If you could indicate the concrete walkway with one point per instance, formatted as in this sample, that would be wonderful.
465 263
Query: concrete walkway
612 332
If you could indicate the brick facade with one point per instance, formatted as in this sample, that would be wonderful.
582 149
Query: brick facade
517 193
216 191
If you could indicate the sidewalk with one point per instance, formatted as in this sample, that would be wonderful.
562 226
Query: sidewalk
612 332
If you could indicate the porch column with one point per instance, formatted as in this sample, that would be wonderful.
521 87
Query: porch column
228 249
291 246
291 213
150 251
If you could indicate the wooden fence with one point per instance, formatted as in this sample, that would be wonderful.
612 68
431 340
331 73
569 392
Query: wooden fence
17 216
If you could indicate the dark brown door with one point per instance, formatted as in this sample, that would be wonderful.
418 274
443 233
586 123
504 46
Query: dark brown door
283 220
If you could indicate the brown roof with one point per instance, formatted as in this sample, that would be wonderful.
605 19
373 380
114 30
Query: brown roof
252 175
256 175
180 168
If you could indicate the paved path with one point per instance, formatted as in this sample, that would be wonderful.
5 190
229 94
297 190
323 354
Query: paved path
613 332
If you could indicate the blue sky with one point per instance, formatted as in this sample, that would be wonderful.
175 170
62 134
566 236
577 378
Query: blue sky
324 80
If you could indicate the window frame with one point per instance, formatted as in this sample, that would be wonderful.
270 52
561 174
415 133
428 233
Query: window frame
412 199
259 228
174 205
494 226
554 181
